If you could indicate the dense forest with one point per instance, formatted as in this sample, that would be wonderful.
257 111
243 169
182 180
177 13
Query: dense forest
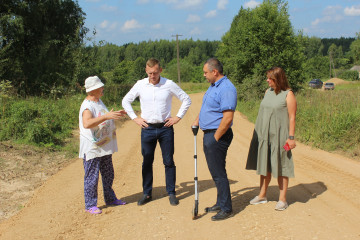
46 51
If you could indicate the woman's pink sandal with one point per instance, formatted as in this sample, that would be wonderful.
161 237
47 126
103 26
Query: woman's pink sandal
94 210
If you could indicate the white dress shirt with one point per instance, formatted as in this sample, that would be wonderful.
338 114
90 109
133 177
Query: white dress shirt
155 100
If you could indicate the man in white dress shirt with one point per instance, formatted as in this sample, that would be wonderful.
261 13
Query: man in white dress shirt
155 94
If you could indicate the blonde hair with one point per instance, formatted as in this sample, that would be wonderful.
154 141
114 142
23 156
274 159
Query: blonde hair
153 62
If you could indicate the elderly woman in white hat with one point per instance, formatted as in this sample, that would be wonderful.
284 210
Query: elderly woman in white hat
97 144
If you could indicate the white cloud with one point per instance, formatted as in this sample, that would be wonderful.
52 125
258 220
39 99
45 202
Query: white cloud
331 10
222 4
328 19
331 15
193 18
104 24
113 26
167 1
316 22
352 11
107 8
190 4
130 25
107 26
211 14
184 4
156 26
251 4
195 31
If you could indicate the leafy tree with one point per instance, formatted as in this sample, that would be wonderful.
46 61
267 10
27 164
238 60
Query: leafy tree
137 71
40 43
188 72
312 46
316 67
121 72
355 49
343 42
259 39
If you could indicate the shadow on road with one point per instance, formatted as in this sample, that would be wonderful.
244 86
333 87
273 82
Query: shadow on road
299 193
183 190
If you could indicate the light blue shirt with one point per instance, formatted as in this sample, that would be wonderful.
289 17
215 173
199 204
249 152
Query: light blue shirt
219 97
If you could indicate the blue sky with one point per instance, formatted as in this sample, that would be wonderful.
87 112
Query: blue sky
125 21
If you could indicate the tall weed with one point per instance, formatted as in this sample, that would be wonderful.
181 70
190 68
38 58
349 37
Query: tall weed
39 121
329 119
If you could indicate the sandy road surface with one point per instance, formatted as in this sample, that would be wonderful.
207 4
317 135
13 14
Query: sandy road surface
324 197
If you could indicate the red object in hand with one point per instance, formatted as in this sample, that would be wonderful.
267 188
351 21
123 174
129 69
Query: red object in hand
286 147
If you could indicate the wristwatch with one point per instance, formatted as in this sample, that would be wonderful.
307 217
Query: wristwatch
291 137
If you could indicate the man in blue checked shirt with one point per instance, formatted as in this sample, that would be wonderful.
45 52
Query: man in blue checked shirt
215 119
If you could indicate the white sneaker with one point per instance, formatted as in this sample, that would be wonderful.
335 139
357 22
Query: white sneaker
256 200
280 206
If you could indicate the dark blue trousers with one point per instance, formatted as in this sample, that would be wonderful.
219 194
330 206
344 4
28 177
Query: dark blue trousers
92 168
215 153
149 138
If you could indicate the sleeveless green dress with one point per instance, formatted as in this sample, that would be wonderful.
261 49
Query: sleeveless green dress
266 152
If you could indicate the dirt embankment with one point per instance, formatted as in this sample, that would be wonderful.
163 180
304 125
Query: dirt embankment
323 197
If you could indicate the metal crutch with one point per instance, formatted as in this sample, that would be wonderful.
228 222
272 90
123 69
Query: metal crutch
195 211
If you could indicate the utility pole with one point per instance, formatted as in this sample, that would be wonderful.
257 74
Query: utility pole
330 63
177 55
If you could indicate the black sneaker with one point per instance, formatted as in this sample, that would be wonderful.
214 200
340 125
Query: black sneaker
214 208
173 200
145 199
222 215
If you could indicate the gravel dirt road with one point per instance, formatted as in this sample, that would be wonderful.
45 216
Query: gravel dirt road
324 196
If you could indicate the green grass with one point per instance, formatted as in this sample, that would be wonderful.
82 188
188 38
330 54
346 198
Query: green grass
249 109
49 123
39 121
351 85
190 87
329 120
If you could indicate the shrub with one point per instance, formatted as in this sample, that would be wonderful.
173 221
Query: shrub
43 122
349 75
113 94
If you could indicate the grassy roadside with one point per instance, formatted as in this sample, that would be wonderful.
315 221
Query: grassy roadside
51 123
329 120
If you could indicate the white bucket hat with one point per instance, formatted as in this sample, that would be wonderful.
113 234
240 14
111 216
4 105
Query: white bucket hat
92 83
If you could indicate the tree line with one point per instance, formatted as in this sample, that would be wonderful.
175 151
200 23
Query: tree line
45 50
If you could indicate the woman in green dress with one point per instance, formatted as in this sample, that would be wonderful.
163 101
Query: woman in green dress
274 128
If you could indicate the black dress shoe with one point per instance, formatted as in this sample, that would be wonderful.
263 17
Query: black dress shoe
145 199
221 216
214 208
173 200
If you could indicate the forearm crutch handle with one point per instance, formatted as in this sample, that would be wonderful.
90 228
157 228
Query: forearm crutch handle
195 129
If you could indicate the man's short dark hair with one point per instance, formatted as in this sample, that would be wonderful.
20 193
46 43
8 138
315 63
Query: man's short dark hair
214 63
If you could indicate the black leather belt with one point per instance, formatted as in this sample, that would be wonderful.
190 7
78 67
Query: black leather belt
156 125
209 130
